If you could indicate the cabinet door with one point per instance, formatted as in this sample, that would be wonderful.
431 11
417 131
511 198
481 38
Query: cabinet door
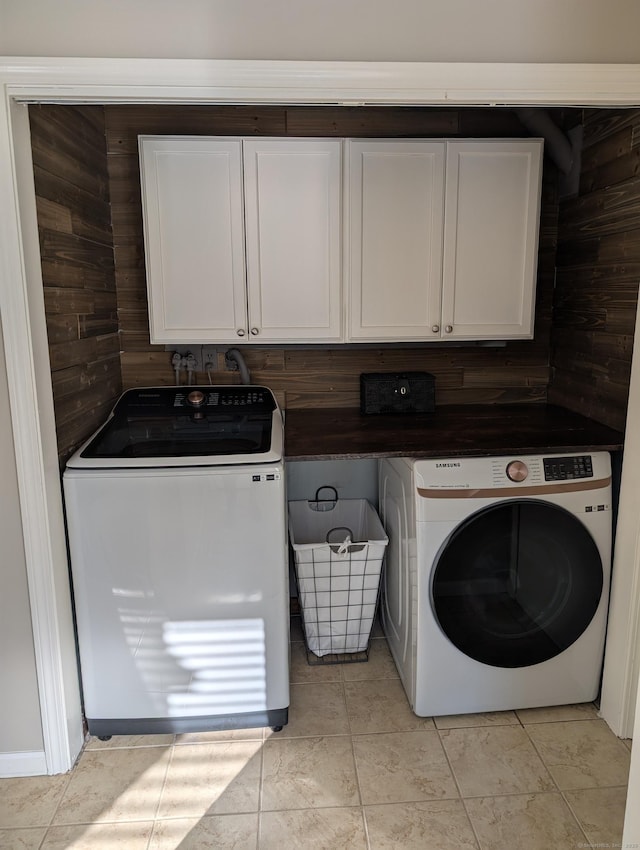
293 239
194 238
492 212
395 263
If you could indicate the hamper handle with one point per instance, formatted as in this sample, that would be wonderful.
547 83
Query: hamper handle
317 504
326 487
344 548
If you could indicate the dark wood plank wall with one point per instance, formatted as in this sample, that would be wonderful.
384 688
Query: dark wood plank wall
316 377
598 269
76 244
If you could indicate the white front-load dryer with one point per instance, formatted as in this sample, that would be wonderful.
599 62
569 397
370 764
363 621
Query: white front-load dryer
496 582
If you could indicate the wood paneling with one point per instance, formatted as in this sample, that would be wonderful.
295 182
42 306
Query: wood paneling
76 246
88 201
598 270
323 377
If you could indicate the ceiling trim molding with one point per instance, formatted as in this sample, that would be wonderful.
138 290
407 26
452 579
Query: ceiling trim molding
348 83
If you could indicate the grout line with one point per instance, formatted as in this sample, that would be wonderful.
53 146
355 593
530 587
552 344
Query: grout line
553 779
353 751
260 791
365 826
457 784
164 784
577 819
48 826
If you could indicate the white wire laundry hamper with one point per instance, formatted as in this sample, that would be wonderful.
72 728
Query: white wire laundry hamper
338 547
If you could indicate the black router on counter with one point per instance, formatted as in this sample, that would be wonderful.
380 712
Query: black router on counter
397 392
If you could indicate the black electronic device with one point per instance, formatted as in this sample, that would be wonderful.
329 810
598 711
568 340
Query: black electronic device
397 392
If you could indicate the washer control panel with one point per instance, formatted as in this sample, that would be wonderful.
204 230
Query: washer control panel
566 468
214 399
238 398
517 470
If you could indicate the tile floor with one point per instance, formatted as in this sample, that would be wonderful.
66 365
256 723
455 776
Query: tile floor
355 769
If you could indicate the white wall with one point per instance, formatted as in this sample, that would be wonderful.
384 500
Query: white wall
20 726
367 30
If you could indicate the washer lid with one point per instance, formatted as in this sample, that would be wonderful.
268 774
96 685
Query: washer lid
186 426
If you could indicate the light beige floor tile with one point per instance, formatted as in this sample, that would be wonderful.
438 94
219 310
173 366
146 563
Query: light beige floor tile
399 767
627 742
206 779
220 736
380 664
30 800
491 718
441 825
555 713
110 785
315 710
114 836
581 754
495 760
302 773
313 829
127 741
600 812
525 822
303 672
21 839
222 832
381 706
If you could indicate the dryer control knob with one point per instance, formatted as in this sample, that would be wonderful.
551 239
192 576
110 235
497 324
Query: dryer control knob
196 398
517 470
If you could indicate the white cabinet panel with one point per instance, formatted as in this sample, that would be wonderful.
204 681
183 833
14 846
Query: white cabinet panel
293 238
443 239
492 212
243 239
207 200
194 238
395 261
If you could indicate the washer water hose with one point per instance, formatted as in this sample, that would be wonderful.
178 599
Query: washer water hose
233 355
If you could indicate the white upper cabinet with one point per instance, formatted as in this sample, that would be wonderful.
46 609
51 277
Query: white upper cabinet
396 193
194 238
443 239
293 204
242 239
491 222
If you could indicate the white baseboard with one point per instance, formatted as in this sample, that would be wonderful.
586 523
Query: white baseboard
25 763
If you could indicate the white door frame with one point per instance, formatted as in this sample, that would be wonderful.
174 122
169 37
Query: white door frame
256 82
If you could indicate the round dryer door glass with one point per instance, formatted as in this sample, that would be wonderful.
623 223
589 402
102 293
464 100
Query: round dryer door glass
517 583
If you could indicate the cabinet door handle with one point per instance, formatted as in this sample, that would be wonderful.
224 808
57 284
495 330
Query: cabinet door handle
240 331
254 331
435 328
448 329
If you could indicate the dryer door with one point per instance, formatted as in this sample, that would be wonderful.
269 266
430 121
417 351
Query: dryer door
517 583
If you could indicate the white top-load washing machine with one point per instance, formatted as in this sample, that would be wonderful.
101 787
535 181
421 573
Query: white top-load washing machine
497 577
176 514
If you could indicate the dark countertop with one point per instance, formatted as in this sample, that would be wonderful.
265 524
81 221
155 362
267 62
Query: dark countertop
453 430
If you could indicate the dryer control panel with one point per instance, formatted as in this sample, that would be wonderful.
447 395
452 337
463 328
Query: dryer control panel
566 468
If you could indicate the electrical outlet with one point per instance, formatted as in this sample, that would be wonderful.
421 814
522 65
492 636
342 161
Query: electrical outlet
210 355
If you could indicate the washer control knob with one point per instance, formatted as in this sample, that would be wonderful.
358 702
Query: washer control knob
517 470
196 398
